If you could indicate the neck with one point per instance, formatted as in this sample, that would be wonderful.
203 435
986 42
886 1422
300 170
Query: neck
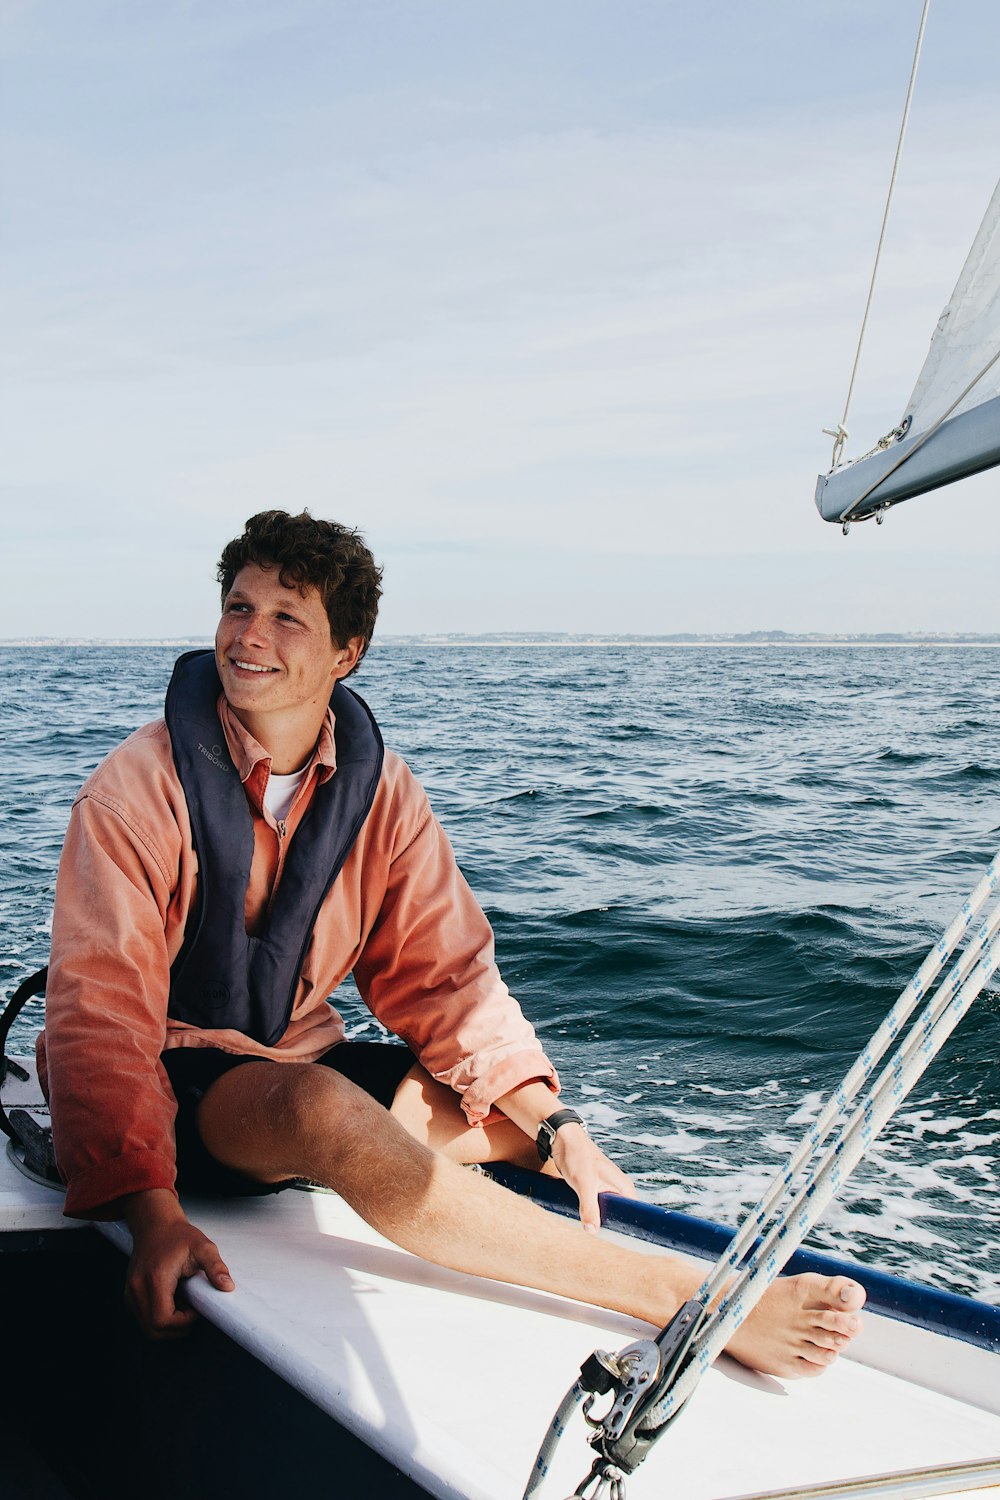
289 743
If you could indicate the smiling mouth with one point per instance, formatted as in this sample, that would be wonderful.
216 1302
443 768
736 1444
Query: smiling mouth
249 666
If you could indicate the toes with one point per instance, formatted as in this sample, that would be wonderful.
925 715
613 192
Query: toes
844 1294
837 1293
808 1369
824 1339
807 1364
844 1324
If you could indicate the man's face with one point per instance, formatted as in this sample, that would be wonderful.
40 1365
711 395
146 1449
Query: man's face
273 647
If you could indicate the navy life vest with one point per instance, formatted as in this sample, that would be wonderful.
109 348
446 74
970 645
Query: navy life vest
222 977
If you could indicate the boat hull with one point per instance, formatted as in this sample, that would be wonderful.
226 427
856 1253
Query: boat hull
962 446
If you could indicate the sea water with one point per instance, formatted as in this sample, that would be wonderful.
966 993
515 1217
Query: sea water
710 871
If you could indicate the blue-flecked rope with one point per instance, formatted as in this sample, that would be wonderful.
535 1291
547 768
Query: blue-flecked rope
776 1230
759 1218
929 1032
557 1427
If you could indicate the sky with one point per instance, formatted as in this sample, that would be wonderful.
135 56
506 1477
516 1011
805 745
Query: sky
552 301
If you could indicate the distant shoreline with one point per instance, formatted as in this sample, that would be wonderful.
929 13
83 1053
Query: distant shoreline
756 641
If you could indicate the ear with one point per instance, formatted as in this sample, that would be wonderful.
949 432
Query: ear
348 657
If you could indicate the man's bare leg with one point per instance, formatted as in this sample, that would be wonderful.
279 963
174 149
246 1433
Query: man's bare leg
432 1114
279 1120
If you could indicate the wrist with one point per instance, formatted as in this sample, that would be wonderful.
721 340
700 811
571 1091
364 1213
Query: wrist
150 1210
549 1129
529 1104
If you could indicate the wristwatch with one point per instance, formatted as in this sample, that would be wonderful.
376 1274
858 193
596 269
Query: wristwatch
546 1136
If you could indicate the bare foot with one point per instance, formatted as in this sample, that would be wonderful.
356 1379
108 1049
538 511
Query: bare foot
800 1325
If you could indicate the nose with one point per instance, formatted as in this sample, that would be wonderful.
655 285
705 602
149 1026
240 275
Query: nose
252 631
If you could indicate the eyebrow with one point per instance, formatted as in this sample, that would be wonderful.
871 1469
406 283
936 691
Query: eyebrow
237 593
292 603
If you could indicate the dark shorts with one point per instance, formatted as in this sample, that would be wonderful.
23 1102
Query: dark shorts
377 1067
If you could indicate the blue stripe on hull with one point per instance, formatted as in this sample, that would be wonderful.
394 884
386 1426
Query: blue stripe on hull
938 1311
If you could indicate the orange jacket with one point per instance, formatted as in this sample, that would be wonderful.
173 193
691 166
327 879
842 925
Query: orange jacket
400 916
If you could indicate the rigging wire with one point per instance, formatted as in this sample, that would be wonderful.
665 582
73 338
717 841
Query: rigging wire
839 433
760 1217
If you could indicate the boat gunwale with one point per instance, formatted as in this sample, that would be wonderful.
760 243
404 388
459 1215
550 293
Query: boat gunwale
930 1308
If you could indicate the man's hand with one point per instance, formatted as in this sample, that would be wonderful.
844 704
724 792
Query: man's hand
574 1155
166 1248
588 1171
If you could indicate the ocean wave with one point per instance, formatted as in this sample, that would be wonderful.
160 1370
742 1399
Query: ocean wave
972 773
893 757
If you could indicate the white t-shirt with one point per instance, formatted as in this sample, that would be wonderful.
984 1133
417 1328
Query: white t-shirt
279 794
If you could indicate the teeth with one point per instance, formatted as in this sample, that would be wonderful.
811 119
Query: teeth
249 666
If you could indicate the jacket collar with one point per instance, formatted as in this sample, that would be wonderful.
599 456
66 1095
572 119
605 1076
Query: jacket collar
253 762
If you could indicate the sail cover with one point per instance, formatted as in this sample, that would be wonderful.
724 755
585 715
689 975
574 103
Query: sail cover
966 339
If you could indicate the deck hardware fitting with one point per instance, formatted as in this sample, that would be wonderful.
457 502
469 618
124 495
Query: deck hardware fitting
648 1370
605 1478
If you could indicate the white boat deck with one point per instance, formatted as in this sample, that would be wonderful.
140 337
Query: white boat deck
455 1379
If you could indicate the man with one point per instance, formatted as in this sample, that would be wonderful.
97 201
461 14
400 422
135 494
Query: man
224 869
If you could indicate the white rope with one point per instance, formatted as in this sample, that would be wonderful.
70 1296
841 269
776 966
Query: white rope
848 1151
759 1218
839 434
931 1029
557 1427
845 515
783 1232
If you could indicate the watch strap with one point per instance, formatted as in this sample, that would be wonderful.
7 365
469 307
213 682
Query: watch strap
545 1139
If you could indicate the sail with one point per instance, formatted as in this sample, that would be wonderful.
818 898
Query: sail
967 335
967 440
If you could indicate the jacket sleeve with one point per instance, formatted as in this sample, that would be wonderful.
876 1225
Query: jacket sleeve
106 1005
427 972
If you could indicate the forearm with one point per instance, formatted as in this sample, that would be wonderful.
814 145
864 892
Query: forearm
148 1212
529 1104
112 1126
428 972
106 1001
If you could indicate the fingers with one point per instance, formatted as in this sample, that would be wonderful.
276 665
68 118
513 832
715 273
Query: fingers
152 1298
590 1208
588 1172
210 1261
618 1182
161 1261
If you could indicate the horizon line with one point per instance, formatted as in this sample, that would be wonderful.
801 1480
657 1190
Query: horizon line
569 638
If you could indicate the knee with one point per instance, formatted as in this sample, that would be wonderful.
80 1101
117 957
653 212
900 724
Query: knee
280 1120
307 1105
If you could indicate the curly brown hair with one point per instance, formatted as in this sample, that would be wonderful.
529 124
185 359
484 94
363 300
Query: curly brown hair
332 558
